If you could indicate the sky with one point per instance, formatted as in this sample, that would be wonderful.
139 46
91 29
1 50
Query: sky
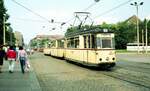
30 24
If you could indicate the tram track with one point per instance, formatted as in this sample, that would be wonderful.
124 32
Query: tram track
135 64
135 68
139 67
127 75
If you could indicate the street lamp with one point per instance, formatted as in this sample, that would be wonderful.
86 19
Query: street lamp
4 38
10 33
96 0
137 21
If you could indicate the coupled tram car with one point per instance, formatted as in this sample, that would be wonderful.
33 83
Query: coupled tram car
91 47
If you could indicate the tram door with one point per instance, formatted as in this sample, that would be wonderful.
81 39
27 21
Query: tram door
89 43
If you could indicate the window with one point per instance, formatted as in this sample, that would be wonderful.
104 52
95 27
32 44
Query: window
89 41
60 43
73 43
76 40
98 41
93 41
106 43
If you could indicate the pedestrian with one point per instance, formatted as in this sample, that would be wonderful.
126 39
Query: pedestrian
11 56
2 55
28 51
22 57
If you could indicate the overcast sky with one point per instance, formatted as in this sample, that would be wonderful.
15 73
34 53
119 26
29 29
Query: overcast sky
30 24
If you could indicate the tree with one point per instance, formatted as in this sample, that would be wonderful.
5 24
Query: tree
10 37
2 12
125 33
148 24
143 27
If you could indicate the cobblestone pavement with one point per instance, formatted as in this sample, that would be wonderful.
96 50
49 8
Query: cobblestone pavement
58 75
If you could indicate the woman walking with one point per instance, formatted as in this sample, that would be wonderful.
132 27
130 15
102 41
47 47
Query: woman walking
2 55
22 56
11 55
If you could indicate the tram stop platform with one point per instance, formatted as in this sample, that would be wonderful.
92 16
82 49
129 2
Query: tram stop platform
17 81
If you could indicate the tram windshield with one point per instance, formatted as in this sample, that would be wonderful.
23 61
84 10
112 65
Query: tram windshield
105 42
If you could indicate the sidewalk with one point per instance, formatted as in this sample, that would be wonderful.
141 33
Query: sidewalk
17 81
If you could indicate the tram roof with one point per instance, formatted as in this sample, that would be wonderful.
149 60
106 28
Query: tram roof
89 31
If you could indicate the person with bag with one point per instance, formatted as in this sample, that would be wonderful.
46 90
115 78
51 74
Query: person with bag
11 56
22 57
2 55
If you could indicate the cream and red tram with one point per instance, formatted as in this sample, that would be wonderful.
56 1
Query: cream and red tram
90 47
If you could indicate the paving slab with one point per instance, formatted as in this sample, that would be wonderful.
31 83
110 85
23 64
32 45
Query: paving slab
17 81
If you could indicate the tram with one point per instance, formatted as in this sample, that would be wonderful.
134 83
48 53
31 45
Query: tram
93 47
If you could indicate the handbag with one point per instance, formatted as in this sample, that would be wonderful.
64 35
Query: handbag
27 64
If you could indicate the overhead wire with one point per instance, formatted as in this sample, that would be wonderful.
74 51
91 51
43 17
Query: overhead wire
112 9
44 18
27 20
62 23
32 11
90 6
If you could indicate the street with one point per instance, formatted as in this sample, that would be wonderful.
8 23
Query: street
58 75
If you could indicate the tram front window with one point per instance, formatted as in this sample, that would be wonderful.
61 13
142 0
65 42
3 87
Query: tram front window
105 42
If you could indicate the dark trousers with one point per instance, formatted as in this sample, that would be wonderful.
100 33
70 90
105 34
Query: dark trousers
22 63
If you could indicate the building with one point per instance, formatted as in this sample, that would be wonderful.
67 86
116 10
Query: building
19 38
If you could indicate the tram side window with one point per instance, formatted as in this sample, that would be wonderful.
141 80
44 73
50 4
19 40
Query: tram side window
98 41
85 43
93 41
77 43
61 44
89 41
70 43
53 44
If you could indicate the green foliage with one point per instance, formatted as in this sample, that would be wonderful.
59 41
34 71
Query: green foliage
124 34
39 43
78 29
2 12
148 30
10 39
43 42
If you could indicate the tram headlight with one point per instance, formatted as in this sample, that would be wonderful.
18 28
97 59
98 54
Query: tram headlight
113 59
100 59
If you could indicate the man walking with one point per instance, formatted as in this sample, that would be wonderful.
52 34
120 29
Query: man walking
11 55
